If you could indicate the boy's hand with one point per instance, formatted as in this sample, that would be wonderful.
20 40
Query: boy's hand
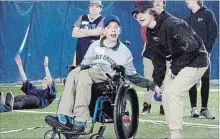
158 93
18 60
46 61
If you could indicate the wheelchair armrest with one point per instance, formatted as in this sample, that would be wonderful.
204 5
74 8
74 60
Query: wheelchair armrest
70 67
119 69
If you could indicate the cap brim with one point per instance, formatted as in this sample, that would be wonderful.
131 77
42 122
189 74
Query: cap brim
96 4
133 13
112 21
137 10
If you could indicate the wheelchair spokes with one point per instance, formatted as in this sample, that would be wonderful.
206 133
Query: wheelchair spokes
126 113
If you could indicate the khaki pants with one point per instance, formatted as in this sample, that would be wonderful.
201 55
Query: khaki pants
148 72
76 97
174 90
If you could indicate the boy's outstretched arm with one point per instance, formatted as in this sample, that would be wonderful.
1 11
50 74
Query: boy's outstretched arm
48 76
20 68
140 81
137 79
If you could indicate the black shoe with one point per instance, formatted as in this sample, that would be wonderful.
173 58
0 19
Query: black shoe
161 110
78 128
146 108
9 100
55 123
70 136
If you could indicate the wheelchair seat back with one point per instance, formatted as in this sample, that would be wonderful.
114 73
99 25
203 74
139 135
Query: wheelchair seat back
99 89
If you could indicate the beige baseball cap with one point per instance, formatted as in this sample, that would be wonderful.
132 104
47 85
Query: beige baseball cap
96 2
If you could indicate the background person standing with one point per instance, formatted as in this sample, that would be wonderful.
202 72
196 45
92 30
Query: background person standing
203 21
148 65
87 29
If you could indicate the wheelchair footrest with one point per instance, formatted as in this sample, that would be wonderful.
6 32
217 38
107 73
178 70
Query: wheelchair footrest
101 130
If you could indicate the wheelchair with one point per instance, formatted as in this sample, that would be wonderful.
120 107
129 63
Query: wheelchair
113 101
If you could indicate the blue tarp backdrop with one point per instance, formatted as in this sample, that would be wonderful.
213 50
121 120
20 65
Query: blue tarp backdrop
48 26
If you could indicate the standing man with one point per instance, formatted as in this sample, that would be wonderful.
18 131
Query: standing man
202 20
148 65
175 40
87 29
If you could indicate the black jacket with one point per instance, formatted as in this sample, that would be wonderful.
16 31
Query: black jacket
173 39
204 24
147 51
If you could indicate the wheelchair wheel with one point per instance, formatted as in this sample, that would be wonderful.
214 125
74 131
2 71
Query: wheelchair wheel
96 136
126 112
51 134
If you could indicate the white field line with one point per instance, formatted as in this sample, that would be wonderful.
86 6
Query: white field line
140 121
184 123
140 93
18 130
211 90
26 111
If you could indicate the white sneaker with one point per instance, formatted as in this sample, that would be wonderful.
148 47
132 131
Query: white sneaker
206 114
194 112
2 98
9 100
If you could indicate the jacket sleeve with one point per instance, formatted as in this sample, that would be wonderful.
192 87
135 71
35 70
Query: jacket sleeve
185 45
133 76
27 86
140 81
159 63
212 30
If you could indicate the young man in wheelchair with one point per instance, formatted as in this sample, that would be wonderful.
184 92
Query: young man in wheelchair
100 56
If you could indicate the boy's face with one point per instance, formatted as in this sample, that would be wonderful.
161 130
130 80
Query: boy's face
144 18
112 31
191 3
159 4
44 83
95 9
